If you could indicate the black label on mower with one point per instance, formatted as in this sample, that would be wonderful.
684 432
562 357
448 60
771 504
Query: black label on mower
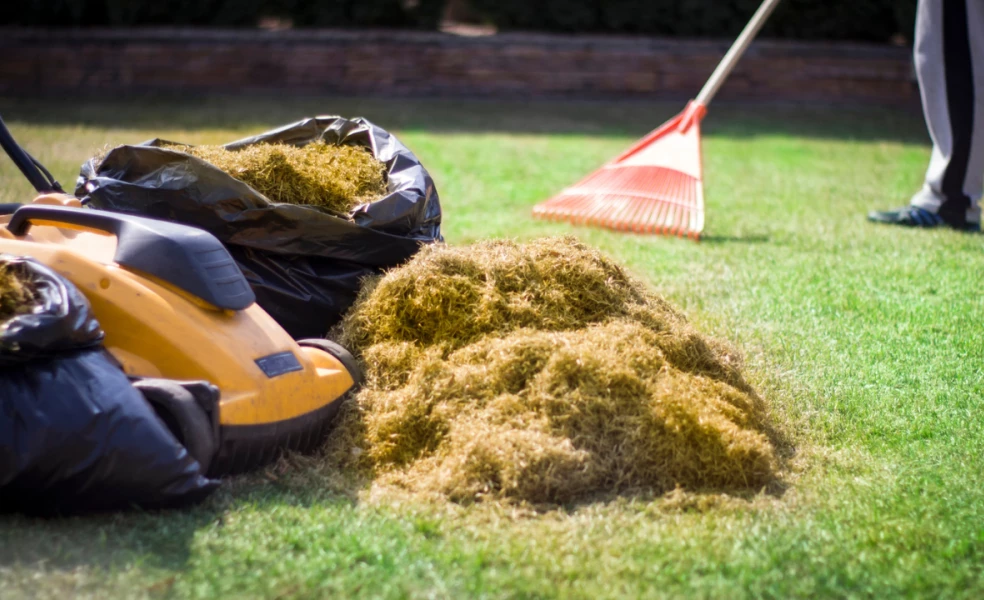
278 364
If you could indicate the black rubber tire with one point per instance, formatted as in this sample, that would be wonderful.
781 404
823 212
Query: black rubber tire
344 356
247 447
184 417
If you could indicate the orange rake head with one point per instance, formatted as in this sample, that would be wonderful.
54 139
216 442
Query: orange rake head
653 187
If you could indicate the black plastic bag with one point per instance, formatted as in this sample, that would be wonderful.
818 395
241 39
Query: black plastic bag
305 263
74 434
60 321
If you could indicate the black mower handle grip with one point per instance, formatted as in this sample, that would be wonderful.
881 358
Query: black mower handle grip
190 259
21 223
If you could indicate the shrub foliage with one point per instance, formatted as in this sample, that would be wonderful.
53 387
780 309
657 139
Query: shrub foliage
870 20
867 20
221 13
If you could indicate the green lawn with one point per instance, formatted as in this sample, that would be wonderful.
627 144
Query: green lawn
868 342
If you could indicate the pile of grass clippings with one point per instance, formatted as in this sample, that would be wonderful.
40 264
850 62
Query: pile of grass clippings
541 373
15 295
338 178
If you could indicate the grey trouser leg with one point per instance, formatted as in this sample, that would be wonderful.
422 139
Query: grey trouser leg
949 57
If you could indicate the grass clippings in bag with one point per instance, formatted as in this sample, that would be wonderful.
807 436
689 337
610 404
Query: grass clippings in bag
15 295
338 178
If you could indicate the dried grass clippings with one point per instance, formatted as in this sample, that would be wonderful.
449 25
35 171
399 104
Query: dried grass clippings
338 178
15 294
542 373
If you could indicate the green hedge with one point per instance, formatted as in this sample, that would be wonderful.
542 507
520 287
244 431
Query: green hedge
126 13
424 14
868 20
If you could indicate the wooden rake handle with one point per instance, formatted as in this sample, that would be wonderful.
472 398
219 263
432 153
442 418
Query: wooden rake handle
730 59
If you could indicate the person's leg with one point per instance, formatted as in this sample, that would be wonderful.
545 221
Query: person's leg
949 59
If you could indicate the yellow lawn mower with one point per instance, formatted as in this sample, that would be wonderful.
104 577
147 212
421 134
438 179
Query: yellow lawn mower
182 322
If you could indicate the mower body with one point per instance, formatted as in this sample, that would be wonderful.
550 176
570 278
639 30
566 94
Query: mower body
174 306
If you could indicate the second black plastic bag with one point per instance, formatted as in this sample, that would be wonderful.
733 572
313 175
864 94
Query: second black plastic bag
305 264
74 434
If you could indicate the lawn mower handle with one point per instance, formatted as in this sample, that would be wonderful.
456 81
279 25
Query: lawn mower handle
35 172
188 258
21 221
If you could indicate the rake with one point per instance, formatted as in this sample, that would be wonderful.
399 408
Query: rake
656 185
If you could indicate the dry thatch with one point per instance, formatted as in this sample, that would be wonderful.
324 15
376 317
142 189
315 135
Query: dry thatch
542 372
338 178
14 294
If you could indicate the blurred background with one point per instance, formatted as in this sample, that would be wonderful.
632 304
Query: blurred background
838 51
865 20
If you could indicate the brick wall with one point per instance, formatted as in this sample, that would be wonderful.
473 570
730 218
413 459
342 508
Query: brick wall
34 61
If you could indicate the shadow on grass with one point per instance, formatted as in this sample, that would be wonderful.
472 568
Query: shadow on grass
113 541
103 540
735 239
629 118
166 540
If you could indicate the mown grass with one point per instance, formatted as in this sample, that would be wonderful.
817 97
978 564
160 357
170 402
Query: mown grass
866 340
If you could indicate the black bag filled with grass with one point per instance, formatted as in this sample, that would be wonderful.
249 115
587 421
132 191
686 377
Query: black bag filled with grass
304 253
74 434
